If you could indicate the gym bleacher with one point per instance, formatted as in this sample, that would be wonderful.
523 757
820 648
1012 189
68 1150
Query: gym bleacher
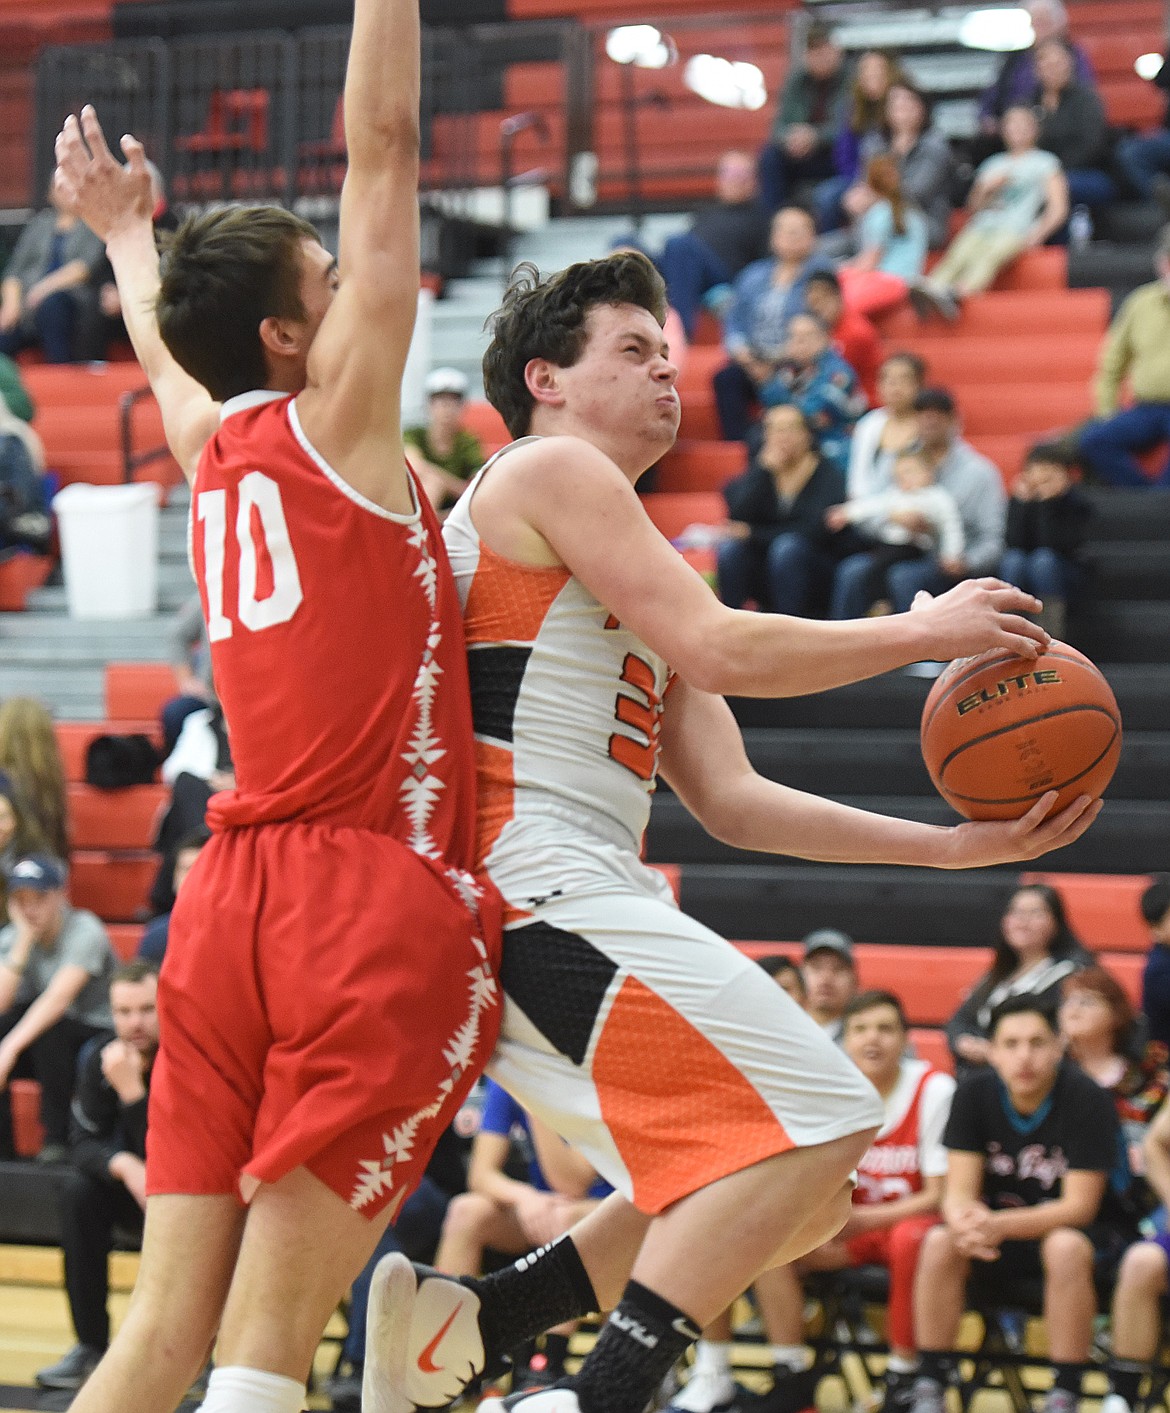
1020 363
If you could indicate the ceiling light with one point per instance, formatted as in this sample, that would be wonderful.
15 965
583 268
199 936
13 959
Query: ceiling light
1000 31
1148 66
728 84
641 45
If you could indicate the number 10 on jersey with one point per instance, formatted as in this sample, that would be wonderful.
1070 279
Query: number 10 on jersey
260 509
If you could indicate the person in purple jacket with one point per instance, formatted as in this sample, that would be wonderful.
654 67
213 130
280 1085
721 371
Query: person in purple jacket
1017 81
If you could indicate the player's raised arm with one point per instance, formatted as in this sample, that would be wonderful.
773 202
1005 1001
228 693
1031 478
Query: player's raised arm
351 408
115 201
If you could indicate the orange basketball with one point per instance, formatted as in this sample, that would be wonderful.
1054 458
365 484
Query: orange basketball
999 731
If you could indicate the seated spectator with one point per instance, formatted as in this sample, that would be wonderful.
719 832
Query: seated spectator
755 331
1145 157
700 265
55 969
779 550
1073 125
893 522
1019 199
514 1216
892 240
812 376
1141 1288
1016 81
47 291
854 337
444 454
191 661
1155 906
1035 952
24 514
13 392
925 162
1136 351
890 428
860 133
31 758
800 147
17 837
1030 1145
829 974
977 488
786 974
895 1202
153 946
1047 522
106 1191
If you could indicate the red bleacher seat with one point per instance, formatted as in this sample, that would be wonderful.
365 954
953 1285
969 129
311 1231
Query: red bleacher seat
1102 908
1001 313
113 885
125 938
931 1045
19 576
700 466
115 819
1127 968
672 512
135 691
485 422
1035 408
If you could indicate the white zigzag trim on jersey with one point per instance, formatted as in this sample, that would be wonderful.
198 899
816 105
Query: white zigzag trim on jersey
376 1175
422 787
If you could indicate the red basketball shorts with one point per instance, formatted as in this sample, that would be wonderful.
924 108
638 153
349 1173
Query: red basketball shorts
328 999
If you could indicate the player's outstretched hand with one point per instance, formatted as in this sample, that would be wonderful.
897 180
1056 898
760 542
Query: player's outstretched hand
93 184
979 614
982 843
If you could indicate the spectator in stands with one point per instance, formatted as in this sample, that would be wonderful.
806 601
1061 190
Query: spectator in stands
443 453
1142 1284
106 1191
55 968
925 162
1155 906
1047 522
892 239
1145 157
830 977
47 287
786 974
13 392
1035 953
153 946
799 150
514 1216
1019 199
890 428
860 135
854 337
895 1203
1030 1145
891 521
18 837
778 549
977 488
1016 80
813 376
700 264
767 294
191 661
1073 125
31 758
1136 351
24 517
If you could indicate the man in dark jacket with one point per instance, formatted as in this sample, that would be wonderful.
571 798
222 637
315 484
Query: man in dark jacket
107 1190
800 147
1156 977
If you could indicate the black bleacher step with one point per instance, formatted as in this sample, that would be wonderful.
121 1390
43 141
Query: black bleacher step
843 762
895 700
1130 222
1128 570
1129 514
1129 836
760 902
1125 631
1120 267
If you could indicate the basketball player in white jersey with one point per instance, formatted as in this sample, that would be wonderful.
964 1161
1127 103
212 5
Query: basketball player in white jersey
726 1120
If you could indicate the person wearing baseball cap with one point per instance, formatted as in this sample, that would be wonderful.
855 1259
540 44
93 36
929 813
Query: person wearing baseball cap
830 977
444 455
55 969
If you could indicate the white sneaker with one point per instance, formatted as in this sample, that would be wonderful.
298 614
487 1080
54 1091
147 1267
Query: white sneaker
706 1391
423 1342
544 1400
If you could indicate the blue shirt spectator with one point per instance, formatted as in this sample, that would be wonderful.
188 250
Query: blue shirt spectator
816 379
503 1116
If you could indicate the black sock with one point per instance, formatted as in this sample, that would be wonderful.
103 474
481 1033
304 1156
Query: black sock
1068 1377
1125 1379
934 1364
635 1350
544 1288
556 1348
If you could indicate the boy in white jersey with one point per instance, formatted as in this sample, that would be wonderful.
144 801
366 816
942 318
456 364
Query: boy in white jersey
726 1121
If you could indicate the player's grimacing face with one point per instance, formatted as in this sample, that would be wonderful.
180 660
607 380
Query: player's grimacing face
624 379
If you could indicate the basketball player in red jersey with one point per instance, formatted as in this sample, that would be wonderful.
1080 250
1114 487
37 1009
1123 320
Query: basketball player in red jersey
329 995
726 1120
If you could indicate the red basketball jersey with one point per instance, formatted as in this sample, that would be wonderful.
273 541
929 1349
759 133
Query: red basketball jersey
336 643
891 1167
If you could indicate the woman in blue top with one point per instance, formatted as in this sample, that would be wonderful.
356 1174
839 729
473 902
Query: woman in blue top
894 238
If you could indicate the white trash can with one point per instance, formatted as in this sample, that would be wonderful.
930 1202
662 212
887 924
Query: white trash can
109 549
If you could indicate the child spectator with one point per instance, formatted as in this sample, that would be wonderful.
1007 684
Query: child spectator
1047 522
893 518
814 377
1030 1145
444 454
893 238
1155 906
800 148
31 758
854 337
861 133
